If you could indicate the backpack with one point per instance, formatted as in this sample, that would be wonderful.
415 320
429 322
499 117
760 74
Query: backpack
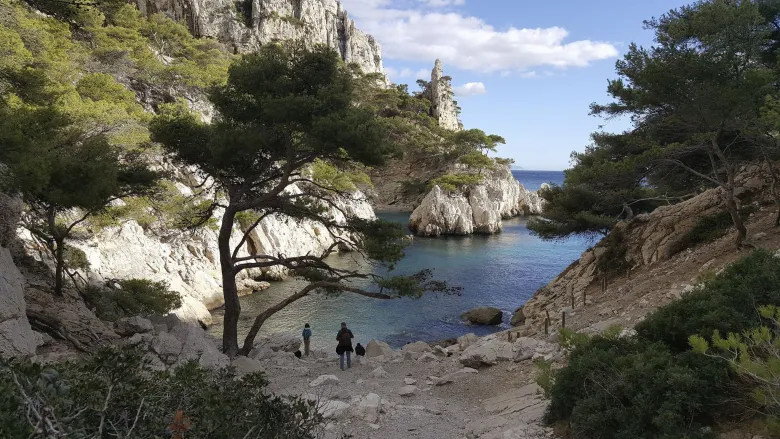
345 339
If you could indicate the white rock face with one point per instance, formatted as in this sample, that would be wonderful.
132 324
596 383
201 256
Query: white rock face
443 106
17 339
189 262
479 210
313 21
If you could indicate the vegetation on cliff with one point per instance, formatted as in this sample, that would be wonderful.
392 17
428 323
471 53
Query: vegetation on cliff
699 100
653 384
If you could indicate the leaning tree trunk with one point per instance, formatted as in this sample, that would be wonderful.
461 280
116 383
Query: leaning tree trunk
736 217
229 288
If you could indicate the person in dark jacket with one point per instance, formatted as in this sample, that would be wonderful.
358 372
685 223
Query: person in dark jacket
306 336
360 350
344 337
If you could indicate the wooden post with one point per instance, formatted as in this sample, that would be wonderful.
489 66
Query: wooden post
563 319
547 323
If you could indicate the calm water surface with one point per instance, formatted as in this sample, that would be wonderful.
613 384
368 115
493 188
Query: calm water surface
502 270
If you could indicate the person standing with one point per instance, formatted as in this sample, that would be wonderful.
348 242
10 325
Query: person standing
306 337
344 337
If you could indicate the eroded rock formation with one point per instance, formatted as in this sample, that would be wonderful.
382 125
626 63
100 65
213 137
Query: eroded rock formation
479 209
442 104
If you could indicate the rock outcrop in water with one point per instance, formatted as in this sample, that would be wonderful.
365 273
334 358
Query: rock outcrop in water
479 209
247 24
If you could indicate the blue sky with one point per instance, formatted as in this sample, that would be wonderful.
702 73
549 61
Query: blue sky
526 70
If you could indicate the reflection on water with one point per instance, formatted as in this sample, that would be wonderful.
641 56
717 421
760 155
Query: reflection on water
502 270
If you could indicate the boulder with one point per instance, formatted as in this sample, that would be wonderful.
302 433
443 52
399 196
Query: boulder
251 286
167 347
246 366
518 318
418 347
410 381
376 348
324 380
407 390
464 342
367 408
198 345
379 373
133 325
282 341
332 409
483 315
428 358
261 353
487 352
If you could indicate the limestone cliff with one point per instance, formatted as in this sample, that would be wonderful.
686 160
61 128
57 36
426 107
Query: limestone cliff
246 25
479 209
16 336
189 261
442 104
647 243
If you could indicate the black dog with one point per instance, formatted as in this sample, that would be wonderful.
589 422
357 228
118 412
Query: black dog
298 353
360 350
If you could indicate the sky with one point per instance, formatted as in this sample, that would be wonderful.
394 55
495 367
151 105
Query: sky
523 69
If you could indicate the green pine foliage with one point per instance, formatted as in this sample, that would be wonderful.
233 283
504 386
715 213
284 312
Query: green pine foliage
754 355
132 297
114 393
696 101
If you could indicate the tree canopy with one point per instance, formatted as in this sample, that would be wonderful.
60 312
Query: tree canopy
282 111
694 99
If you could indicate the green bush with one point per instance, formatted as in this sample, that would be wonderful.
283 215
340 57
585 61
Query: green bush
115 394
727 303
652 385
707 229
623 388
453 182
132 297
613 260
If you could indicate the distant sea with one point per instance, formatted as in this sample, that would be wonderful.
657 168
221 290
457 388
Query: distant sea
502 270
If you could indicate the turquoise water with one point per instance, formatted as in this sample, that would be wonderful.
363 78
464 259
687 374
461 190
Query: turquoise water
502 270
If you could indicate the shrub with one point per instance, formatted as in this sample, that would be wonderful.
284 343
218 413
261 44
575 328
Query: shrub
707 229
454 182
115 394
613 260
132 297
727 303
622 388
755 358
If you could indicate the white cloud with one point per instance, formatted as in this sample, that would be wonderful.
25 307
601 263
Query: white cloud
441 3
471 89
414 32
423 74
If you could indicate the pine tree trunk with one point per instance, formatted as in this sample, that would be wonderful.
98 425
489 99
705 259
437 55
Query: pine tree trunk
229 289
59 261
736 218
